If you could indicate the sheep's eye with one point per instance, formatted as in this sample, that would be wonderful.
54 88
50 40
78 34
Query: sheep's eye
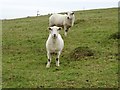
67 17
66 13
50 29
59 28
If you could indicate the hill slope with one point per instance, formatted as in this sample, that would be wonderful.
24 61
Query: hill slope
89 58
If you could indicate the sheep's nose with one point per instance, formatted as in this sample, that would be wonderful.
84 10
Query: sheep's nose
54 35
68 18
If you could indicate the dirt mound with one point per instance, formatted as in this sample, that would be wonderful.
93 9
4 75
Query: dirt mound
115 36
81 52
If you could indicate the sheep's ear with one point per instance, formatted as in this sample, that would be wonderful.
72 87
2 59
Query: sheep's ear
59 28
72 13
49 28
66 13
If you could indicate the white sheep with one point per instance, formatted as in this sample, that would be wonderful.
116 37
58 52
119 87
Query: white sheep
60 20
54 44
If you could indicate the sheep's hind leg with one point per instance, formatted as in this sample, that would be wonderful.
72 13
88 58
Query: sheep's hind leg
57 59
65 30
49 60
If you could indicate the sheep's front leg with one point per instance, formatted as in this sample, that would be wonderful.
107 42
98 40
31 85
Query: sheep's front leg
66 30
57 59
49 60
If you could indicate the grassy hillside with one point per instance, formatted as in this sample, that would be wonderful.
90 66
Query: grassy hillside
89 58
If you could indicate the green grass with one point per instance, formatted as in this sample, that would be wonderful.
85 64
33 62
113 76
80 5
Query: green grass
24 53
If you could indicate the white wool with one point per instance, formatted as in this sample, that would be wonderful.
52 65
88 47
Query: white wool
66 21
54 44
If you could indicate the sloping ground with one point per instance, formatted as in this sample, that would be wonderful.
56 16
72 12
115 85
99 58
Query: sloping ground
89 58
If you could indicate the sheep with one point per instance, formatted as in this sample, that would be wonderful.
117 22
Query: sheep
54 44
65 21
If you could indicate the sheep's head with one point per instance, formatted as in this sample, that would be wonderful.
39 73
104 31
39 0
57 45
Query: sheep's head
54 31
70 15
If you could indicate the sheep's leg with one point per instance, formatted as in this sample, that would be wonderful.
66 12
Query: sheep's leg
49 60
57 59
66 30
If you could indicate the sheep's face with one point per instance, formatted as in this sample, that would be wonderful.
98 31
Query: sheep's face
54 31
70 15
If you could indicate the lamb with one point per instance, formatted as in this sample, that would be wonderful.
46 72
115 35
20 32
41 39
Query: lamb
54 44
65 21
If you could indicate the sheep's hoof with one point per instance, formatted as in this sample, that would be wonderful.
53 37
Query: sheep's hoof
65 34
47 66
57 65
